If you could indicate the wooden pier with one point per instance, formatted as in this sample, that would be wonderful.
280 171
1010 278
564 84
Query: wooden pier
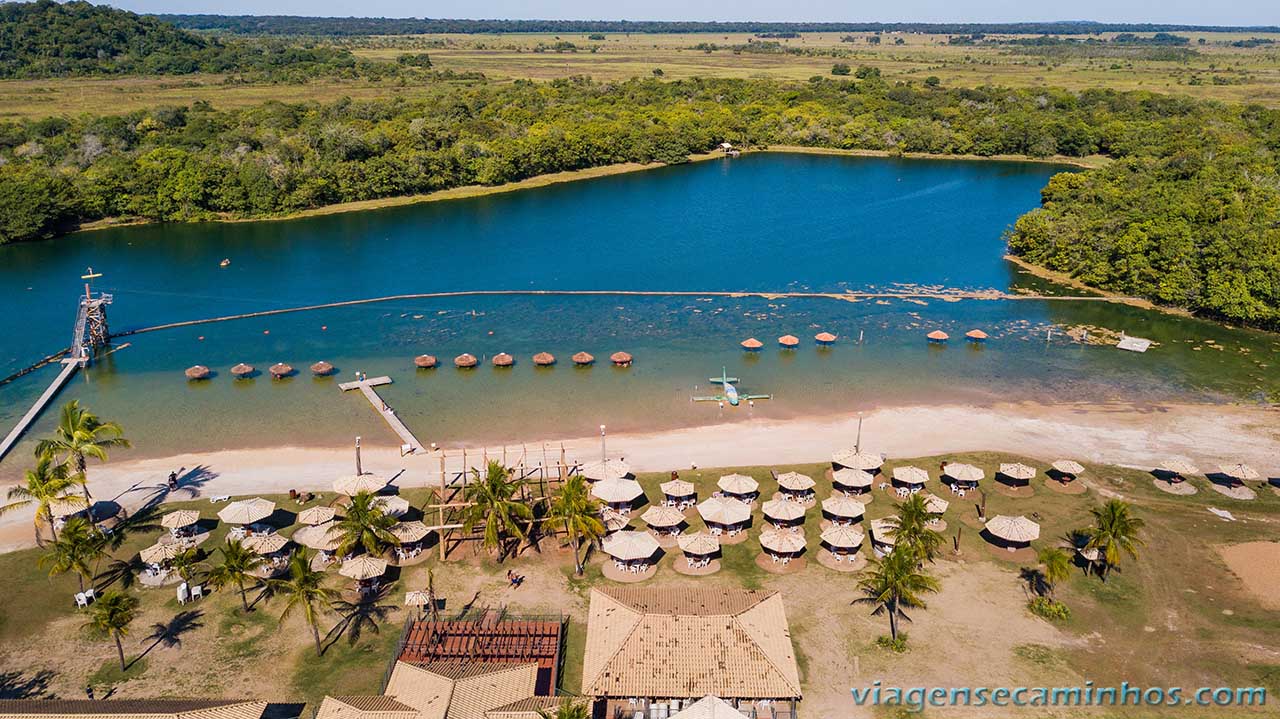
366 388
69 367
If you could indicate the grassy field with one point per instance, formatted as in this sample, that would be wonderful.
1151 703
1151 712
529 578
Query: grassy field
1178 602
1248 74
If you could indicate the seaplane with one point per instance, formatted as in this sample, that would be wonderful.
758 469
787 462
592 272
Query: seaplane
731 394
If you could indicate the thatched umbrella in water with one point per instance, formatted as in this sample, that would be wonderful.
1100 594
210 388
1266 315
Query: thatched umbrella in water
824 338
198 372
789 341
465 360
976 335
582 359
502 359
424 361
242 370
938 336
751 344
322 369
280 369
621 359
544 359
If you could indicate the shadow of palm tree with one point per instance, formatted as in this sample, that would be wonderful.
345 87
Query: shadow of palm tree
169 634
120 571
363 615
1035 581
20 685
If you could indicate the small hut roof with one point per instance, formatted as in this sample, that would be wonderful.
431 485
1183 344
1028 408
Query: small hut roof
395 505
938 336
465 359
1017 470
620 358
710 706
1091 554
724 510
1013 529
699 543
280 369
661 515
157 553
1068 466
324 537
963 472
882 530
247 511
179 519
843 507
910 475
583 358
242 370
1179 467
198 372
614 520
417 599
67 505
678 488
425 361
842 537
608 469
935 504
408 532
788 340
1237 471
628 545
976 335
825 337
316 515
363 567
616 491
751 343
738 484
855 478
502 359
544 359
783 510
854 459
321 368
787 542
795 481
353 484
265 543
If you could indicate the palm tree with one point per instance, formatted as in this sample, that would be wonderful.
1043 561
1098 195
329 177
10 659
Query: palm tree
110 616
579 511
187 562
365 525
236 568
568 709
1115 530
44 484
79 436
494 505
77 549
1057 565
896 583
304 591
911 528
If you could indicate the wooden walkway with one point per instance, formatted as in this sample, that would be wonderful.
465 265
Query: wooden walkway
382 408
69 367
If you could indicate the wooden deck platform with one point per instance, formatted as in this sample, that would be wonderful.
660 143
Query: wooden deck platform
69 367
366 388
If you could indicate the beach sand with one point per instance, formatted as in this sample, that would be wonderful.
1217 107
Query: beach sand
1138 436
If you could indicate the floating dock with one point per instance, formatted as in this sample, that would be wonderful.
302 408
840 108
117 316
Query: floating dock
366 388
69 367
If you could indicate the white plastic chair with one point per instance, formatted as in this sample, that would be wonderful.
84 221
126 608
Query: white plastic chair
88 594
184 593
197 592
81 600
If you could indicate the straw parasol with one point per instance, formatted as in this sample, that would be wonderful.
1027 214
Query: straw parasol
962 472
394 505
583 359
247 511
789 341
738 484
316 515
280 369
1180 467
424 361
825 338
265 543
783 511
782 542
882 530
910 475
855 478
363 567
157 553
795 481
678 488
417 598
242 370
502 359
323 537
1239 471
614 520
465 361
68 505
842 537
198 372
617 491
622 359
938 336
354 484
409 532
1017 470
628 545
935 504
1067 466
843 507
608 469
1013 529
699 543
751 343
976 335
660 515
723 510
544 359
855 459
321 369
179 519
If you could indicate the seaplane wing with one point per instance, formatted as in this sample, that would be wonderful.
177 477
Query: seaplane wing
709 398
755 396
722 380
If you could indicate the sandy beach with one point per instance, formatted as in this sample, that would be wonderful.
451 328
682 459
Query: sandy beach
1112 434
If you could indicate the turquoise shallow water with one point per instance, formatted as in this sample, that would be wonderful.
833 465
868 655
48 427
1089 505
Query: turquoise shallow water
762 222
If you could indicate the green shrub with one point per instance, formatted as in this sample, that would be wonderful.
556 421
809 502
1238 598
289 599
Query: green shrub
1047 608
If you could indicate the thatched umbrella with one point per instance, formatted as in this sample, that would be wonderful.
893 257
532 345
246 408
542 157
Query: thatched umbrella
621 359
824 338
354 484
68 505
409 532
629 546
242 370
280 369
883 531
780 510
1017 470
935 504
1180 467
502 359
316 515
1018 530
617 491
660 515
265 543
723 510
938 336
789 341
608 469
324 537
465 361
739 484
752 344
1068 467
198 372
1239 471
179 519
910 475
796 482
782 542
582 359
363 567
852 478
855 459
962 472
424 361
678 489
158 553
394 505
247 511
544 359
976 335
322 369
840 537
843 507
699 544
417 598
613 520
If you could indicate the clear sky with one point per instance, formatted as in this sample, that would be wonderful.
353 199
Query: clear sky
1191 12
